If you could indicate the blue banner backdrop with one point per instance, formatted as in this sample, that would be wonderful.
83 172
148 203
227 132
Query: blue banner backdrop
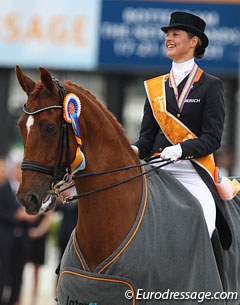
131 36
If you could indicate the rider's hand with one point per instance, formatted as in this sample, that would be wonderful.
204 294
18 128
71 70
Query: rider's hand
135 149
172 152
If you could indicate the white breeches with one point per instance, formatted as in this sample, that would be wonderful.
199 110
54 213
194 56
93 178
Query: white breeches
185 172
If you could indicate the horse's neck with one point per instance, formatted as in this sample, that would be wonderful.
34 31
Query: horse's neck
105 218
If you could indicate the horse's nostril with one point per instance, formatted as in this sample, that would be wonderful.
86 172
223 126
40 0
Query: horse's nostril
32 199
32 204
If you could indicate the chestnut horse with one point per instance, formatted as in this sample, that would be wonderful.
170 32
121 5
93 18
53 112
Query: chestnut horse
96 238
109 204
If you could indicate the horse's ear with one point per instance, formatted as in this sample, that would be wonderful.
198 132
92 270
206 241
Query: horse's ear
25 82
46 80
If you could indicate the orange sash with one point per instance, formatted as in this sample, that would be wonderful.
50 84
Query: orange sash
174 130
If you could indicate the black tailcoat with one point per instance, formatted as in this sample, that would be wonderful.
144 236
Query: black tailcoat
203 113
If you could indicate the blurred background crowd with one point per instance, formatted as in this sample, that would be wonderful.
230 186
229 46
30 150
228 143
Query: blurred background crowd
24 239
110 47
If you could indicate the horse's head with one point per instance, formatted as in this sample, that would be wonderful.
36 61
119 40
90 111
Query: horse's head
42 130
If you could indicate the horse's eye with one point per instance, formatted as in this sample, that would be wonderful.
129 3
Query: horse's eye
51 129
48 129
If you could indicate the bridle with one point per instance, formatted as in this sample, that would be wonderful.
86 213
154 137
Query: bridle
57 172
61 175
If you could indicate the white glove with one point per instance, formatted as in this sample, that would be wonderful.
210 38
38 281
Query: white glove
172 152
135 149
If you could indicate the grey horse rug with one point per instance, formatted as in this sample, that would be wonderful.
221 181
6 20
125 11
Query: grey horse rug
167 257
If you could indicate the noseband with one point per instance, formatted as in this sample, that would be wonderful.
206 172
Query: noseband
57 172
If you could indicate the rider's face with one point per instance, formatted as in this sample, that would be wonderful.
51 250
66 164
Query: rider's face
180 47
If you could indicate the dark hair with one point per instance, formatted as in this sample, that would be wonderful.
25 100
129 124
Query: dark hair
199 50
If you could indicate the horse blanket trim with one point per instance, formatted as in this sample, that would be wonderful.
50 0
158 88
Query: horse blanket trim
117 285
108 261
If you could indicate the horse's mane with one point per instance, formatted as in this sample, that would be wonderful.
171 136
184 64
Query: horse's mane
91 97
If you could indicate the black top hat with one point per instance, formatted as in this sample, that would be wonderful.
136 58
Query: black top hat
189 23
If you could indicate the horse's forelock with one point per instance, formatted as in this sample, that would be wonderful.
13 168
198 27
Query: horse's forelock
37 89
33 96
39 92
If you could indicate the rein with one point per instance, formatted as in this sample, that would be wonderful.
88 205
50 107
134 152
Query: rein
120 168
84 194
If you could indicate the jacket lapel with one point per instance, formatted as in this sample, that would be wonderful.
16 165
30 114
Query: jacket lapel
170 95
